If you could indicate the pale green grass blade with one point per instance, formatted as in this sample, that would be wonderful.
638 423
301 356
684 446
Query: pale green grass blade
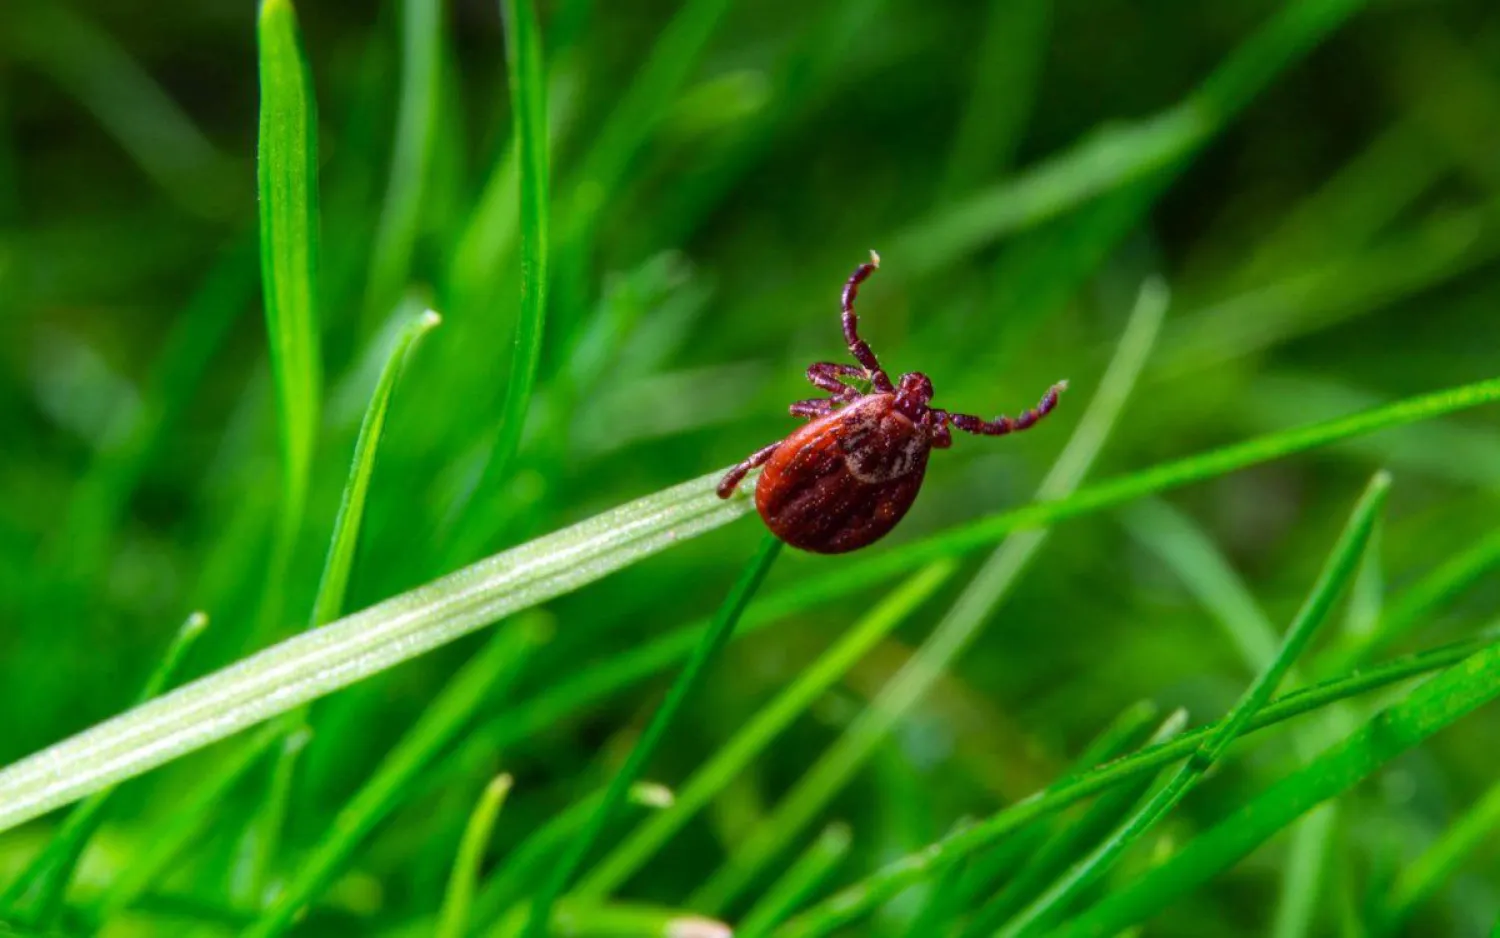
337 567
490 671
320 661
459 899
1113 158
655 732
799 881
1337 573
954 632
288 191
1430 707
37 893
1007 69
1420 879
736 755
851 903
1304 878
411 157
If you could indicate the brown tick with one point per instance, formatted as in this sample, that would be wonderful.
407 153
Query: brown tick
844 480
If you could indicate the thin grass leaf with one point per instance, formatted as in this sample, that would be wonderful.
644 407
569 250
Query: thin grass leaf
1337 573
1431 706
1420 879
707 651
735 756
490 671
526 864
1113 158
954 632
1007 67
334 584
36 895
288 190
320 661
185 823
617 920
1304 881
459 899
261 839
1070 841
411 156
799 881
528 84
851 903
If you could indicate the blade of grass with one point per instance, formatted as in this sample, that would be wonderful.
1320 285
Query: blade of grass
526 863
523 52
320 661
735 756
1431 706
849 904
1421 878
288 189
799 881
457 901
1158 145
411 156
186 821
708 649
490 671
334 584
36 894
957 629
1304 879
1070 840
1002 93
1339 570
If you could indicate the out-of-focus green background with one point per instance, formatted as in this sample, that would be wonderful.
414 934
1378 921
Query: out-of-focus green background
1321 201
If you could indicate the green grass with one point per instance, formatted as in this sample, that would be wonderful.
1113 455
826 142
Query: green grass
1258 239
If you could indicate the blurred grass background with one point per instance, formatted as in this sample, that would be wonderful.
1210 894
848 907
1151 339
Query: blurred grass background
1315 179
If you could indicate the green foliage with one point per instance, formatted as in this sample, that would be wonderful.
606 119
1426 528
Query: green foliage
635 221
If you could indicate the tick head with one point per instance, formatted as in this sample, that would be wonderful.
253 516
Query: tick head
913 393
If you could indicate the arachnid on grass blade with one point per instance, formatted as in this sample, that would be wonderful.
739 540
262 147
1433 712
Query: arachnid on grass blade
845 480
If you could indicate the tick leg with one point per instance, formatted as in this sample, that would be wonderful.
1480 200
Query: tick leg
942 437
817 407
1003 425
732 478
858 347
826 375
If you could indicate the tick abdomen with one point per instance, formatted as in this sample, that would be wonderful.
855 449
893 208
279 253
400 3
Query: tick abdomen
844 480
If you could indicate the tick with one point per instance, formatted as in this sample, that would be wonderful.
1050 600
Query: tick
843 481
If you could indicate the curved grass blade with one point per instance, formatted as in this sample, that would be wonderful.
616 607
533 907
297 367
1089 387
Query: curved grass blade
494 667
452 921
334 583
1422 877
1342 564
708 649
36 895
411 156
320 661
1431 706
853 902
954 632
288 189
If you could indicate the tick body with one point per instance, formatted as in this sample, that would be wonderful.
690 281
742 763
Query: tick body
844 480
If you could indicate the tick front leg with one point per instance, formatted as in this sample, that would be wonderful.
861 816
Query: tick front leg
858 347
814 407
1003 425
826 375
732 478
